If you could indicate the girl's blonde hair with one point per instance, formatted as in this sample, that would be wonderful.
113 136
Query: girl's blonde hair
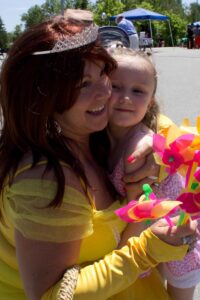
150 119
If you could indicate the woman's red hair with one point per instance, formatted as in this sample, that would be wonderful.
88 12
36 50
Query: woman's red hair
33 88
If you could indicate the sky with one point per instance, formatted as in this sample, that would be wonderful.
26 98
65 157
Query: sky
11 10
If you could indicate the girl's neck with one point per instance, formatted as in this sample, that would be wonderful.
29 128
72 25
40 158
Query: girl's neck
117 134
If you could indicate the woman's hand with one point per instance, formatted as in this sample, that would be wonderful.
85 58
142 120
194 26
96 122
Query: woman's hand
176 236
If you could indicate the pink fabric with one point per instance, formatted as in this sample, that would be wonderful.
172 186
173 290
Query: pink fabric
170 187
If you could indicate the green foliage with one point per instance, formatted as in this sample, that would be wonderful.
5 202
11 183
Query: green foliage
194 12
37 14
83 4
180 15
110 7
3 35
34 16
12 36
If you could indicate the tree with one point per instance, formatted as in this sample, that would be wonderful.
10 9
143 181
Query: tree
37 14
110 7
12 36
34 16
82 4
194 10
3 35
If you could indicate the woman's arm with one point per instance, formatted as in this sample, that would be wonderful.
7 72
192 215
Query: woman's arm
119 269
42 264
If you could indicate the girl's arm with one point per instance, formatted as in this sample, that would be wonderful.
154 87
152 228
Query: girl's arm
141 142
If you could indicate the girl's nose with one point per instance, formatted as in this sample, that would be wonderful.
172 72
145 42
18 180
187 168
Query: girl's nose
125 99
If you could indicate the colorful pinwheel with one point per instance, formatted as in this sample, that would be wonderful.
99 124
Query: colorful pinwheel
142 210
174 155
190 203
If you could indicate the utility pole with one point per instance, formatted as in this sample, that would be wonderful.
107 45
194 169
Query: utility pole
62 7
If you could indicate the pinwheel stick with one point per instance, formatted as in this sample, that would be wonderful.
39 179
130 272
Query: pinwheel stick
181 218
147 191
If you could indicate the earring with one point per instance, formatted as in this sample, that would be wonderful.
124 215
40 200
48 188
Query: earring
57 127
53 128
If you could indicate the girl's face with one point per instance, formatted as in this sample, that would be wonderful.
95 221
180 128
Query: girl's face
133 85
90 111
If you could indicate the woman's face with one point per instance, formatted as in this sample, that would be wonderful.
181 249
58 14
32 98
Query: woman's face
133 85
90 112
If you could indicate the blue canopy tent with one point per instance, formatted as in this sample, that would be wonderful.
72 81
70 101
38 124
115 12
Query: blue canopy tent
144 14
196 23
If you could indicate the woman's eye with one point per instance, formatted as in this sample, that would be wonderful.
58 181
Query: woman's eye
103 72
115 86
85 83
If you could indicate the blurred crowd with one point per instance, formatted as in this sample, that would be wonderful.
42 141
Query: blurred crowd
193 36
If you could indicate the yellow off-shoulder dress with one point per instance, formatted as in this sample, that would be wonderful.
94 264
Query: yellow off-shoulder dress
105 273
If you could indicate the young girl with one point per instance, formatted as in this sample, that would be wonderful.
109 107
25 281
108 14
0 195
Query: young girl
133 116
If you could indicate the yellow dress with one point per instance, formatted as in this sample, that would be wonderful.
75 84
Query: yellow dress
105 273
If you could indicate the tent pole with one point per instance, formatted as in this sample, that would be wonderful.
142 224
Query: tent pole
170 33
150 29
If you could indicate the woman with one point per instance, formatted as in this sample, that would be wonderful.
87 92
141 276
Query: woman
57 207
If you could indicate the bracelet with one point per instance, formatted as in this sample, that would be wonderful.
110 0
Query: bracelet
68 283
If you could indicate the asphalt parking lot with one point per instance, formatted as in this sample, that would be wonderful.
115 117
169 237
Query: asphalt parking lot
178 82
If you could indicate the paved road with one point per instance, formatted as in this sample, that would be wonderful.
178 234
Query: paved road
179 87
178 82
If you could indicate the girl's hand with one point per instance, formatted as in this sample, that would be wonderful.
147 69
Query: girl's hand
147 173
176 236
139 166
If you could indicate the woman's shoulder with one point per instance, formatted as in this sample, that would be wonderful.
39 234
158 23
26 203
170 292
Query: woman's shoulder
42 172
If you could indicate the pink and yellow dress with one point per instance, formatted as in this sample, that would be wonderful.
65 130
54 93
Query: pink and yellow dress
105 273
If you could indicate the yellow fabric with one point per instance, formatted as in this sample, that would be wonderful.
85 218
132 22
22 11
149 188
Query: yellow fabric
24 206
113 277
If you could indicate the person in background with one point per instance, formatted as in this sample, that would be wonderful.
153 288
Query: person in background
133 116
57 205
130 29
190 36
197 36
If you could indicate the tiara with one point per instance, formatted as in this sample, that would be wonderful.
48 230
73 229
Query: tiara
85 37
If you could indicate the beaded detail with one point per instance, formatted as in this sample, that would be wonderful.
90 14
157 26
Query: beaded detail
80 39
68 283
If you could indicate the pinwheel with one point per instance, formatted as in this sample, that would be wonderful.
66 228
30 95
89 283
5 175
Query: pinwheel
190 204
143 210
186 128
197 175
175 154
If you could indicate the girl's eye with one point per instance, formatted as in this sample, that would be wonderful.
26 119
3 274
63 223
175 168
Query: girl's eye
137 91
